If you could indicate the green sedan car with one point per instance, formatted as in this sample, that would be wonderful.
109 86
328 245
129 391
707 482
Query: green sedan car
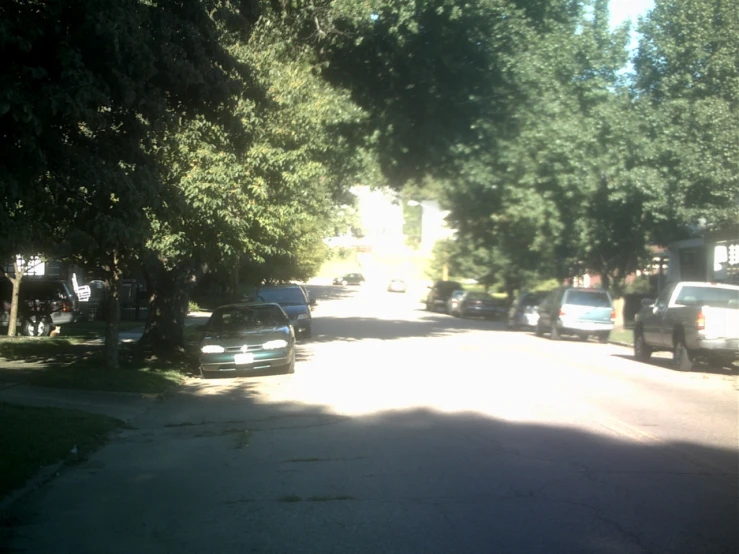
247 337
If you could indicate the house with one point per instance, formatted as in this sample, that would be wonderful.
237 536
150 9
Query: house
713 257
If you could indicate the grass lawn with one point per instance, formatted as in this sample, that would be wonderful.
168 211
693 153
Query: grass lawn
623 335
63 363
87 330
32 438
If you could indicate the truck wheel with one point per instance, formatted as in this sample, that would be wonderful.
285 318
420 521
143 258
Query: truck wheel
641 351
604 337
681 356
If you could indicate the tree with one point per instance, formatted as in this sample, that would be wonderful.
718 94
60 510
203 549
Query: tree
256 181
687 91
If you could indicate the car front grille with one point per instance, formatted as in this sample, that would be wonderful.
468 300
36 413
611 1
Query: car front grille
250 348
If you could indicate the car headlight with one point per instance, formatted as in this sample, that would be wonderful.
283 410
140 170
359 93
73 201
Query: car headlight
273 344
212 349
302 316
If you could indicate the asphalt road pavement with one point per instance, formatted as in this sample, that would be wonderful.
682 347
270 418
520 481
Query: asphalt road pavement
403 431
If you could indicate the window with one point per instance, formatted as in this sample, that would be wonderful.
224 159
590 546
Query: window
286 295
588 298
707 296
250 317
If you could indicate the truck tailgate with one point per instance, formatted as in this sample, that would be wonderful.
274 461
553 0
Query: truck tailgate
721 322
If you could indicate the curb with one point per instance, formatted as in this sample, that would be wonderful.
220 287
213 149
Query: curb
619 343
43 476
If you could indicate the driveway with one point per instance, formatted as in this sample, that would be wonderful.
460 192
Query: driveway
404 431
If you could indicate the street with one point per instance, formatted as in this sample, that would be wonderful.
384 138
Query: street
404 431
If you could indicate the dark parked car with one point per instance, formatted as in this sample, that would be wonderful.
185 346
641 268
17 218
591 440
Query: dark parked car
43 305
477 304
439 294
247 337
350 279
294 301
576 311
524 311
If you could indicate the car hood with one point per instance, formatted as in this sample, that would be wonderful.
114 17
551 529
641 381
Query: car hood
256 336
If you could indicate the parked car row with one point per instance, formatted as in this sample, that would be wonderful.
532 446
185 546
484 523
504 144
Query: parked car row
43 305
450 297
258 334
573 311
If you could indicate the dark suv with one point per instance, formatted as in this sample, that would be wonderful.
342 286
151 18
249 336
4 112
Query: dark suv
439 293
294 301
42 305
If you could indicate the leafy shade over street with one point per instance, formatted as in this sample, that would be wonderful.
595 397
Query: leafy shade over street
32 438
177 140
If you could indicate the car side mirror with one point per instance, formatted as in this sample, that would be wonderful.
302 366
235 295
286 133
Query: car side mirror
647 302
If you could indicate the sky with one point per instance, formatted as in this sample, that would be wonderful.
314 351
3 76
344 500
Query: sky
621 10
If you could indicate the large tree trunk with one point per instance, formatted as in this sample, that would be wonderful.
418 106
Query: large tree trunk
233 285
168 306
14 299
112 360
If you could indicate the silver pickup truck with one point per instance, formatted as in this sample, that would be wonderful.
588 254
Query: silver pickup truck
694 320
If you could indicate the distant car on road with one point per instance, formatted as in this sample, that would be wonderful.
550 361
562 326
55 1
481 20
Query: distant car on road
523 312
247 337
439 294
396 285
350 279
576 311
477 304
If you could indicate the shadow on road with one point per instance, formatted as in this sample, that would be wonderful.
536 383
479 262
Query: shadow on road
412 481
666 363
329 328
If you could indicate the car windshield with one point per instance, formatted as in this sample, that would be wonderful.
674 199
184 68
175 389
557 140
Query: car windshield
596 299
286 295
532 299
240 318
708 296
479 296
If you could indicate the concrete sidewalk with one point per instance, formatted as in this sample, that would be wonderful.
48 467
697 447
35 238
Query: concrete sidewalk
120 405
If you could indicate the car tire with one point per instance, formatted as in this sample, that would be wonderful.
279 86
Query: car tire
682 359
290 367
604 337
642 352
539 332
307 333
554 332
36 326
